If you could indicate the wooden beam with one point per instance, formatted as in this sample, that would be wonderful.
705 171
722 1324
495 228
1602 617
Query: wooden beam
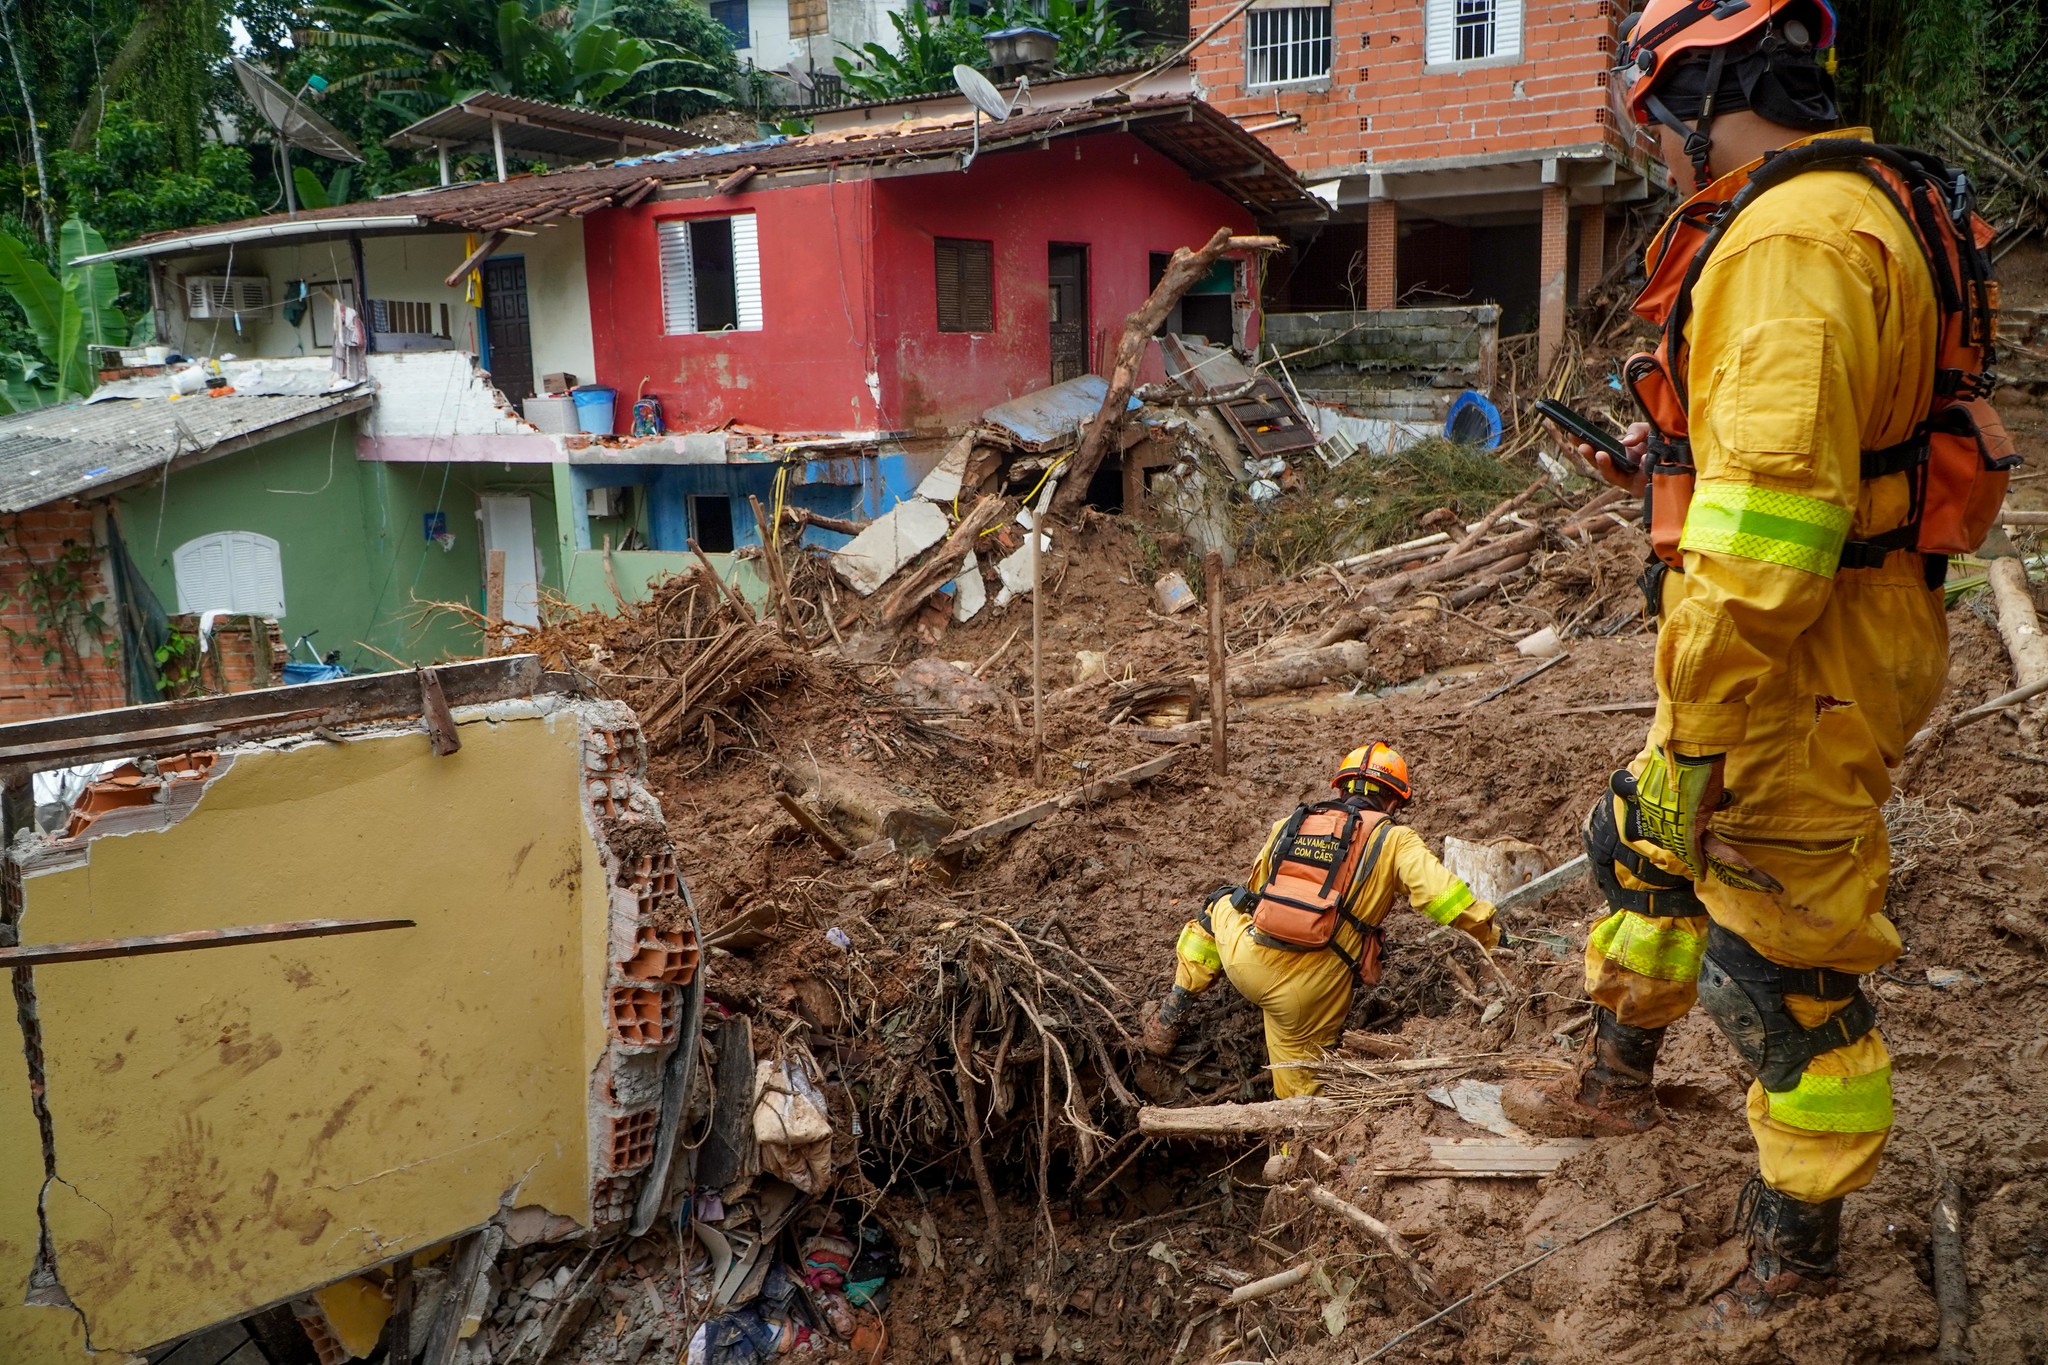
1115 785
1301 1114
834 846
99 949
41 744
474 259
434 713
735 180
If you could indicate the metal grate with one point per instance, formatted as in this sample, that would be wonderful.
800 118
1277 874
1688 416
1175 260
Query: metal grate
1287 45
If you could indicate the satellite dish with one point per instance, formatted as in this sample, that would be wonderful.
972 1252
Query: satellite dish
981 92
293 121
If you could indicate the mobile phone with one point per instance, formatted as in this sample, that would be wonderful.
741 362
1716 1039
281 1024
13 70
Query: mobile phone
1582 428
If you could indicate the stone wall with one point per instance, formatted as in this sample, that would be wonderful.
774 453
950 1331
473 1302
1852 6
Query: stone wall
1403 364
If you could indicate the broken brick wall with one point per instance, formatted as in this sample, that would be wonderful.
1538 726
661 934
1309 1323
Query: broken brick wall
220 1130
59 640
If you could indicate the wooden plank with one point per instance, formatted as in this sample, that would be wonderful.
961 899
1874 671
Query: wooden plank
834 847
1115 785
474 259
494 594
94 950
434 714
368 697
1495 1158
1303 1113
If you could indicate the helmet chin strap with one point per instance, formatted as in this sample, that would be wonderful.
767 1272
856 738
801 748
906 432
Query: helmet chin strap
1699 143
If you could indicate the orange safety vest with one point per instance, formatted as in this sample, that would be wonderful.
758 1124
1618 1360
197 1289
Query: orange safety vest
1960 457
1321 860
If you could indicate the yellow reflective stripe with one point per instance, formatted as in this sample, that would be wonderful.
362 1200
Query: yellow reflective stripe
1449 903
1768 524
1835 1104
1197 947
1665 951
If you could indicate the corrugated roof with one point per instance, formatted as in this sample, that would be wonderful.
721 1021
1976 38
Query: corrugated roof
537 128
80 448
1195 136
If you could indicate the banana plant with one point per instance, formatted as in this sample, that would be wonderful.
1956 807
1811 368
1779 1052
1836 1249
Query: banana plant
315 195
69 311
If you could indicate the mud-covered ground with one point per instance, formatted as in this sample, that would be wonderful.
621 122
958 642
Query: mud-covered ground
1128 1262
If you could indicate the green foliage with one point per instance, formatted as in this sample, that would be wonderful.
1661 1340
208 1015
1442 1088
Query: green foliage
61 607
66 313
127 182
928 49
414 56
1914 68
315 195
688 26
1374 500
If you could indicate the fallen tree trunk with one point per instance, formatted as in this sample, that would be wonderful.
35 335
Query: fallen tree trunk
1183 272
802 516
1302 1114
1271 1285
1521 542
1951 1277
1115 785
944 565
1293 672
866 808
2018 625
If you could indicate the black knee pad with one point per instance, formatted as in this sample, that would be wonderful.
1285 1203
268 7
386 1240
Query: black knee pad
1744 993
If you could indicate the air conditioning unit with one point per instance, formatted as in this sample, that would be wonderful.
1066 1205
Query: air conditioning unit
220 296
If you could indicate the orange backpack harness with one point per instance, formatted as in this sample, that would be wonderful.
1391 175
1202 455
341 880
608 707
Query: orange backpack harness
1322 859
1959 457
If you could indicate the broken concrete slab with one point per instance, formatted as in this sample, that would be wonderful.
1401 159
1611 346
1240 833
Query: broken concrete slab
1051 417
891 541
970 594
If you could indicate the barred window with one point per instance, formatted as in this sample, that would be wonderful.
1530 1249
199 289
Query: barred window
1287 45
1475 21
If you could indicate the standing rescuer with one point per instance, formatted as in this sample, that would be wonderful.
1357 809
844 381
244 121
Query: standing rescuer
1818 446
1307 927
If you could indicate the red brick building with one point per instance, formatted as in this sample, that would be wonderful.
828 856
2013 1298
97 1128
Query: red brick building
59 640
1467 146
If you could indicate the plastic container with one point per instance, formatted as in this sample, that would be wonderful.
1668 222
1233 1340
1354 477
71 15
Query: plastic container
553 412
594 407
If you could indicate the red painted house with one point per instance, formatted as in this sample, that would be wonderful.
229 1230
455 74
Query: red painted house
897 281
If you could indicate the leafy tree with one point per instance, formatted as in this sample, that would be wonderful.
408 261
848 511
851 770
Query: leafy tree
928 49
414 56
127 182
688 25
67 313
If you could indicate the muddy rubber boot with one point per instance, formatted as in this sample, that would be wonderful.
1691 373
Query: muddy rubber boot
1793 1250
1160 1020
1609 1095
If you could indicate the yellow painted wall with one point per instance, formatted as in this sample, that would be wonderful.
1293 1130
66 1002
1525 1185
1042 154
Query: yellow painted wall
239 1125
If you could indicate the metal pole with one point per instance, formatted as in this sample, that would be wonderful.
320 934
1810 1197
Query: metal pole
498 147
441 153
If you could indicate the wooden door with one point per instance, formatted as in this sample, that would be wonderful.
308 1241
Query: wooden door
507 329
1066 291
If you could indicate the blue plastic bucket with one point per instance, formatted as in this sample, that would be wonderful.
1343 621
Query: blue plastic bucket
594 408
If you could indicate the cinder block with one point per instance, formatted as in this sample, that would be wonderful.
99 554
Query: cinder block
627 1081
611 1201
643 1016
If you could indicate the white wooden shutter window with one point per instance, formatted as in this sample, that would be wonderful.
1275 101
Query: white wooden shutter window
678 278
746 272
1440 38
1507 35
237 571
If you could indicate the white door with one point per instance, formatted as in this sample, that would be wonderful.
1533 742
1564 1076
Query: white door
508 526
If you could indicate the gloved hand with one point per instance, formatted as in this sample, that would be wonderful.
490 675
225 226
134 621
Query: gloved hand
1161 1021
1670 804
1489 935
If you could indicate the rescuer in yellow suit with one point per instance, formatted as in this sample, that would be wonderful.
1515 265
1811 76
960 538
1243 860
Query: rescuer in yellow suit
1742 853
1305 993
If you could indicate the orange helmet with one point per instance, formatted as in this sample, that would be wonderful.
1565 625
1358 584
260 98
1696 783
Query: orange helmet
1376 762
1756 32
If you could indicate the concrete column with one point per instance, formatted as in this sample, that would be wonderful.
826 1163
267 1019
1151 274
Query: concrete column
1592 249
1556 238
1382 253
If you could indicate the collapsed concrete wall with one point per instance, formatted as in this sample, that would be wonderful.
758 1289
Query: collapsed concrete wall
1400 364
199 1135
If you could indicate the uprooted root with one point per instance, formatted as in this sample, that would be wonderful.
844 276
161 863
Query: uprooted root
1024 1026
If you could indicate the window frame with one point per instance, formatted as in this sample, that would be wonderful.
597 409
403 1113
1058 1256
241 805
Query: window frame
1272 52
1443 32
673 249
964 249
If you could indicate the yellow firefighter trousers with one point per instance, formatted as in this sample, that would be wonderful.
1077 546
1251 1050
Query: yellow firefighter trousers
1303 996
1821 1139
